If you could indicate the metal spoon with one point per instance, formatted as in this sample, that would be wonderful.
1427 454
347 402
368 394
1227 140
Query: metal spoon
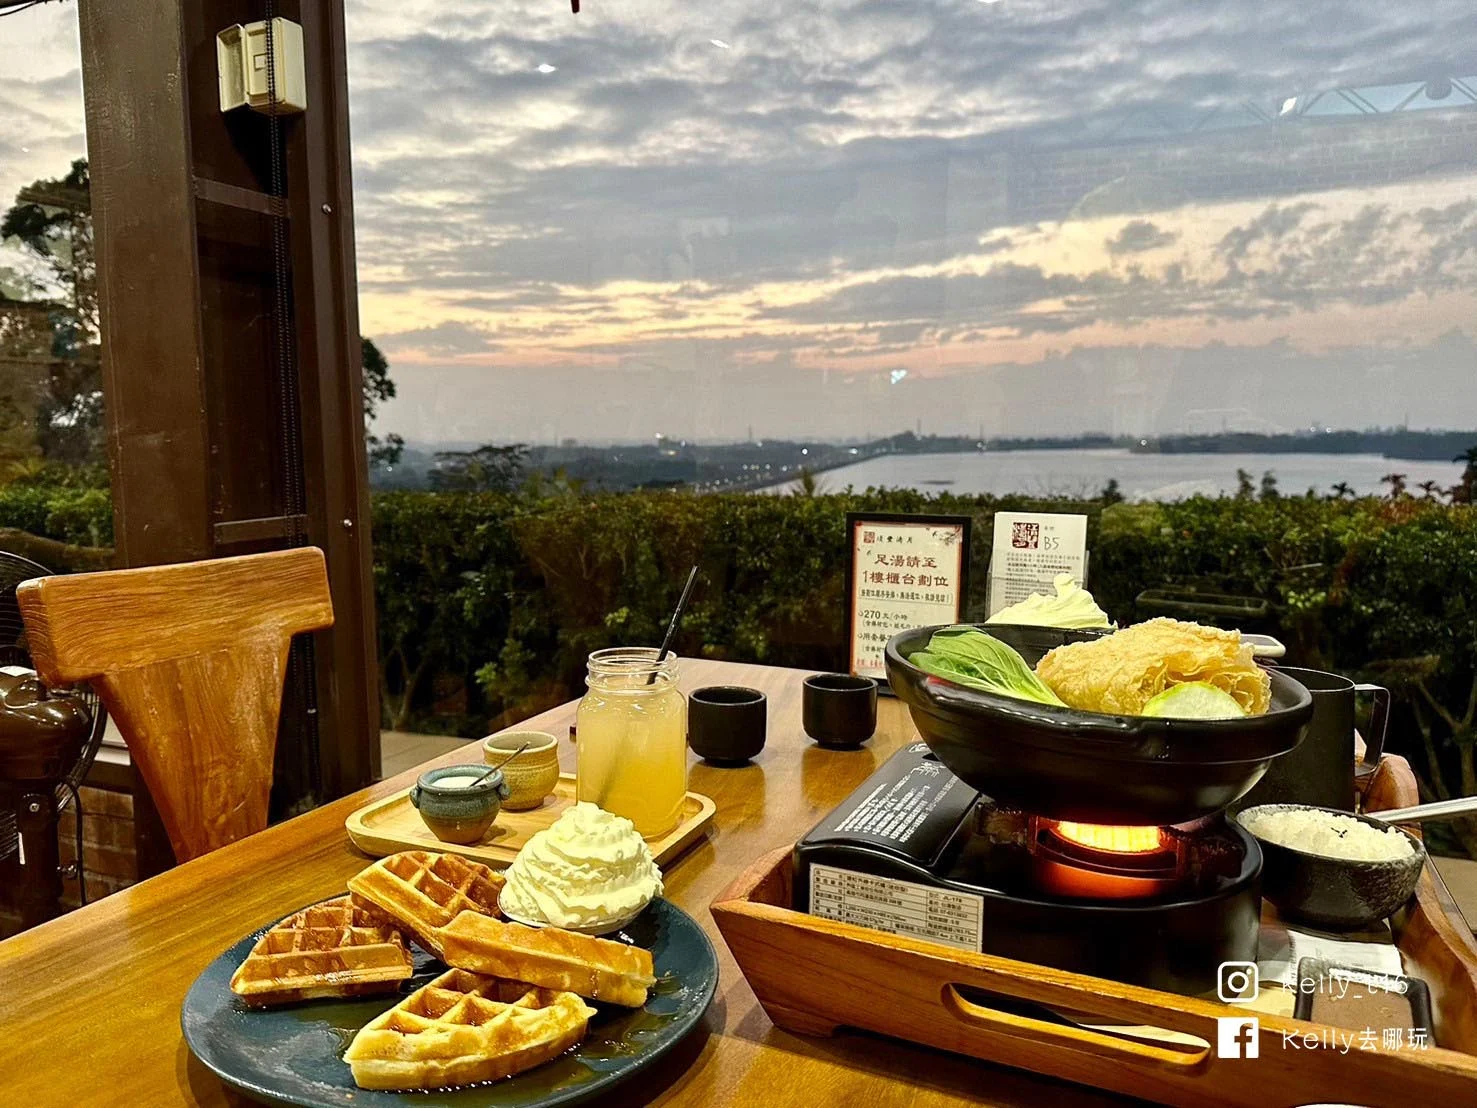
501 764
1440 809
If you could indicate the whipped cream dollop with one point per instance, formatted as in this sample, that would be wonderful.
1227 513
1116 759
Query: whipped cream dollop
1072 608
587 868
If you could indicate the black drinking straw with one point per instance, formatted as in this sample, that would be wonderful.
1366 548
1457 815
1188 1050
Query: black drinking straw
676 621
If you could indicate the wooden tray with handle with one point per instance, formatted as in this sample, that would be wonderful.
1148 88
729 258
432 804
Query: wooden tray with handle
391 825
814 975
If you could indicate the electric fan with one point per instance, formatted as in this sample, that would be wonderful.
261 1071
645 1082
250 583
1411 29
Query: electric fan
40 885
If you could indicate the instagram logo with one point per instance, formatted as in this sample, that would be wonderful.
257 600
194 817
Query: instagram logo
1236 982
1237 1037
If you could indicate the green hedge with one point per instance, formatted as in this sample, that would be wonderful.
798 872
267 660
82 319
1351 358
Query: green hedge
82 516
489 603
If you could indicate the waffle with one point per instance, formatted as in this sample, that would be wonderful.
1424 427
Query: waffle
331 949
599 969
419 892
462 1028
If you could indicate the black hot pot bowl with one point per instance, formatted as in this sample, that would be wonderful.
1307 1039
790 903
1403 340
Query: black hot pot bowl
1087 766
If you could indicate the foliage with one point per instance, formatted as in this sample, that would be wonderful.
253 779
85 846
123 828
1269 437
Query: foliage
56 325
443 572
1348 584
51 221
487 469
79 515
377 389
489 602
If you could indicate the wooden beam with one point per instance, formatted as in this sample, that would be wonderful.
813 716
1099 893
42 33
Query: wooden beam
326 293
143 215
239 531
234 196
143 203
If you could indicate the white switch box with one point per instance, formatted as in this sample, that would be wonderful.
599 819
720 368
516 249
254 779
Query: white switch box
241 59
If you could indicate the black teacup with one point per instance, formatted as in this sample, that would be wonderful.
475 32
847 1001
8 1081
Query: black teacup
726 723
840 710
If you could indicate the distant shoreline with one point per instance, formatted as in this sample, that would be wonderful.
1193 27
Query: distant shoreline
763 463
1134 475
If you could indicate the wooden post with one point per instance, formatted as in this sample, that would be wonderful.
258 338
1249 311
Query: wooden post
202 433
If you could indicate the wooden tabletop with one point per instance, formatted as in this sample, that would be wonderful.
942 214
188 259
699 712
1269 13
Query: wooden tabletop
90 1003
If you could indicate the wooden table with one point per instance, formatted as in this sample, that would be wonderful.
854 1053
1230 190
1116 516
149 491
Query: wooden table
90 1003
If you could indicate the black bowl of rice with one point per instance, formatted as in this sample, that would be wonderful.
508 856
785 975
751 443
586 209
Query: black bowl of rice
1332 869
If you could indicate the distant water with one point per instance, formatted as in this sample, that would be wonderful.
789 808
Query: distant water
1140 476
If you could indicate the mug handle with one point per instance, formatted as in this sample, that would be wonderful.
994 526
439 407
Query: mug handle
1379 723
415 796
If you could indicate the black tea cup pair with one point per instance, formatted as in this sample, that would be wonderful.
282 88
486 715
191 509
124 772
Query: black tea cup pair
726 724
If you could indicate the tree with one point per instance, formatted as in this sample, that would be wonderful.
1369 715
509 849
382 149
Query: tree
809 483
377 389
1465 490
51 221
1343 491
1396 481
1244 488
1112 492
1432 489
1268 489
487 469
56 327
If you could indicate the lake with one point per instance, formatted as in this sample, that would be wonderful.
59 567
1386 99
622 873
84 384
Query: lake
1140 476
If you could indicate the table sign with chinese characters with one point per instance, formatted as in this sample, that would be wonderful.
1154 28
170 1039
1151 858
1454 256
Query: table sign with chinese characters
1030 549
902 571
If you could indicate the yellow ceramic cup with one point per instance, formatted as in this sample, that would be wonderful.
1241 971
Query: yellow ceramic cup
532 775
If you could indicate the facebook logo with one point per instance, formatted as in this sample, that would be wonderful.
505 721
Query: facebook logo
1237 1037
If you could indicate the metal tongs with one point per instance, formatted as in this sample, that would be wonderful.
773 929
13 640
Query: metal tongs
1440 809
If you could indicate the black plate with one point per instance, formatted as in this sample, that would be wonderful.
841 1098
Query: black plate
294 1055
1088 766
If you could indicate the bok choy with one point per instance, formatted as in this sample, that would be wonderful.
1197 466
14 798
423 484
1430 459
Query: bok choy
969 657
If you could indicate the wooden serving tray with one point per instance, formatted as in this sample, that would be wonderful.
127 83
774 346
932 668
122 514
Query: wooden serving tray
391 825
814 975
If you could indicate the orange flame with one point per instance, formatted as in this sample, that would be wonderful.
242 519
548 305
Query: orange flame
1117 840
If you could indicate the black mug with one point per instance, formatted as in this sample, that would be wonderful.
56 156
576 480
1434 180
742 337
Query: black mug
1320 769
726 723
839 710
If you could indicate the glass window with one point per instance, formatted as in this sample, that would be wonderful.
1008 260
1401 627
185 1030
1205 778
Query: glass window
1203 274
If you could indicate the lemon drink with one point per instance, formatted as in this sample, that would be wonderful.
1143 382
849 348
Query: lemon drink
631 728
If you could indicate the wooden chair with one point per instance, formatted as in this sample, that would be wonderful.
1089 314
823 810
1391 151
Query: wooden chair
189 660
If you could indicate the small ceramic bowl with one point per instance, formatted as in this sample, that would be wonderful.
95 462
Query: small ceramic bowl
1339 894
532 775
460 812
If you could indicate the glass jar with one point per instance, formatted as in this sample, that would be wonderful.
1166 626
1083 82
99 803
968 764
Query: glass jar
631 728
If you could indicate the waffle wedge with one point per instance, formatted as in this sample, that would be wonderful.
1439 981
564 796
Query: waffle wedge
599 969
463 1028
331 949
420 892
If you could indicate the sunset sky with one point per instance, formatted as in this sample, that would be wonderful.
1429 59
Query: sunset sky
845 218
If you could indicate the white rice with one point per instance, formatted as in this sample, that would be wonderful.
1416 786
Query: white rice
1328 834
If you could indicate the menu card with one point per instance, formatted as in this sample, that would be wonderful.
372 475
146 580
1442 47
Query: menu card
903 572
1030 549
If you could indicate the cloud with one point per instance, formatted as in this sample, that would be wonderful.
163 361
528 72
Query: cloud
441 340
1139 235
858 185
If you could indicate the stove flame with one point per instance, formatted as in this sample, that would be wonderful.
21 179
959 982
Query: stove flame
1113 839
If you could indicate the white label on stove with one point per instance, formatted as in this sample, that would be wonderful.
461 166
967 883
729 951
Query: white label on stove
898 907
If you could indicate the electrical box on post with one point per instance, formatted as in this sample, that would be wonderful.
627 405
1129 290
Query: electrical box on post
241 59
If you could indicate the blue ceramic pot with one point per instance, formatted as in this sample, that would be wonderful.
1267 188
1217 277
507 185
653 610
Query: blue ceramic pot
459 812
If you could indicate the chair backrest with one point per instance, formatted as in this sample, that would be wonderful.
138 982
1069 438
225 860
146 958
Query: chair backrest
189 660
